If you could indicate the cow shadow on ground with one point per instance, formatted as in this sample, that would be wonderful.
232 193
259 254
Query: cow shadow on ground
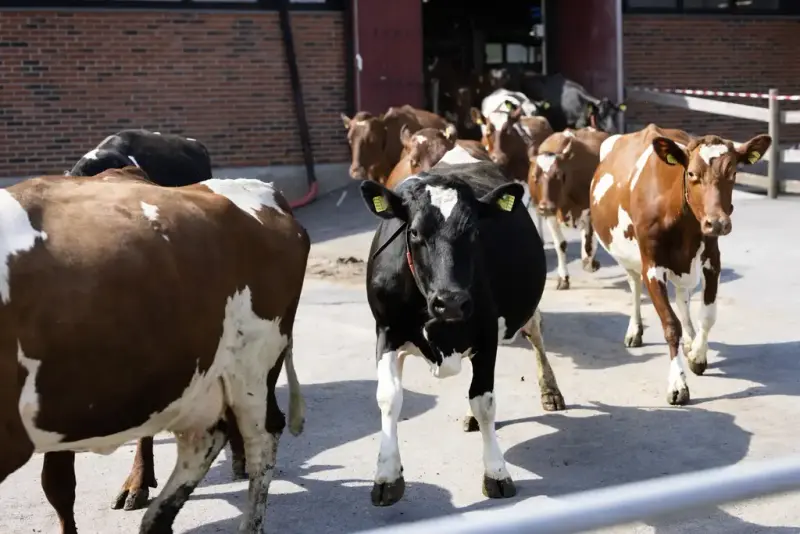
592 340
327 218
325 500
620 445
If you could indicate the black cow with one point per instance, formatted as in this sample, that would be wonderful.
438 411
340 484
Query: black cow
571 105
167 159
455 267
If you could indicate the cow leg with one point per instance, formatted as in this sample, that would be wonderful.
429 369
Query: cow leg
588 243
683 297
389 484
297 405
235 440
561 251
677 389
552 400
58 483
712 267
633 336
135 491
497 482
196 452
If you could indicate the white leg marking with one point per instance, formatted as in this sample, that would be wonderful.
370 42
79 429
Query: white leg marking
585 224
297 404
390 401
708 316
443 198
635 323
16 235
677 375
683 296
484 409
558 238
249 194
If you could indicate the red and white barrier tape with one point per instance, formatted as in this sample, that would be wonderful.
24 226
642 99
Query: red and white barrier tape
701 92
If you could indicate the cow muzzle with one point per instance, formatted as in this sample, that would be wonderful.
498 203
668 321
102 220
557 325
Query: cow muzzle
716 226
451 305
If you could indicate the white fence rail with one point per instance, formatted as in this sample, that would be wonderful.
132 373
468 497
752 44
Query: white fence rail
618 505
682 98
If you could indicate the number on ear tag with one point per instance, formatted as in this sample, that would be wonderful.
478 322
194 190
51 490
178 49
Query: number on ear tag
506 202
379 203
671 159
755 155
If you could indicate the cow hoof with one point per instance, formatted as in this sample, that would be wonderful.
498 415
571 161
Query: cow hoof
698 367
591 266
133 499
471 424
553 401
678 397
388 493
563 283
635 339
499 489
239 472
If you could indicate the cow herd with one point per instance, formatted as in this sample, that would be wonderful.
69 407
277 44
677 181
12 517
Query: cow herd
141 295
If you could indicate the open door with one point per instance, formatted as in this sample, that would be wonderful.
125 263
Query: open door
388 47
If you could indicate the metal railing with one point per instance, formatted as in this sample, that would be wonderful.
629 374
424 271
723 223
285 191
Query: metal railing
619 505
772 114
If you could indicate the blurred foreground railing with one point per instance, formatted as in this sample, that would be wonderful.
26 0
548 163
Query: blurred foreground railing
619 505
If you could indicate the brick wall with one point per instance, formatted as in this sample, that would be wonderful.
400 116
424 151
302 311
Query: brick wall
711 52
69 79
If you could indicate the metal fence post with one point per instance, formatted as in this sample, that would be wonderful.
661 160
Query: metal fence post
775 151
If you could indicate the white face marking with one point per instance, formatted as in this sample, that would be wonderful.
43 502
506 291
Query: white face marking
545 161
640 163
17 235
456 155
484 409
677 376
607 145
390 401
709 152
249 194
443 198
133 160
150 211
625 251
603 184
558 238
92 154
568 133
420 139
248 349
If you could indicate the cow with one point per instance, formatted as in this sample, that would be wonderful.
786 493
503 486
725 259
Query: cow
560 173
167 159
424 148
456 266
496 107
375 140
660 200
129 309
570 104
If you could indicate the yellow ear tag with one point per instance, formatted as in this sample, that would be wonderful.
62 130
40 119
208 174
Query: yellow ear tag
545 105
671 159
379 203
622 107
509 107
506 202
754 156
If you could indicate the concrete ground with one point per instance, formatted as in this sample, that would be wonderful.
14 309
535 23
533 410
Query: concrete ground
618 427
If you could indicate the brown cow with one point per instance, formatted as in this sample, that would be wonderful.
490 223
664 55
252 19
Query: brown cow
375 141
175 314
660 218
561 172
424 148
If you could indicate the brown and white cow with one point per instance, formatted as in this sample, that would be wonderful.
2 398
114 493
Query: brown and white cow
375 141
424 148
129 309
660 201
561 171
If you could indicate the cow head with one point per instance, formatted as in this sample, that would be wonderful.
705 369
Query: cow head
366 135
427 146
709 173
547 178
601 115
441 217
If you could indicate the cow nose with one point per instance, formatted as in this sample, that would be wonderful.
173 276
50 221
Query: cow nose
451 305
716 226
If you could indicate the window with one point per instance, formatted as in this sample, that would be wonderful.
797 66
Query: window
734 7
651 4
705 5
494 53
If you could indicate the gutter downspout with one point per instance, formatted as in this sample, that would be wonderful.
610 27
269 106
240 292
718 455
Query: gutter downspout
620 64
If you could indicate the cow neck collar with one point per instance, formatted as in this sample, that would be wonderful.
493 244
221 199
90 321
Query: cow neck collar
409 260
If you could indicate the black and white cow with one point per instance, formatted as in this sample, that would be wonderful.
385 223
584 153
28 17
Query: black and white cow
167 159
455 267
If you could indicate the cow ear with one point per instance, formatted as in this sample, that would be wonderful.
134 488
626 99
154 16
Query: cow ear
382 202
502 200
567 152
346 121
476 116
669 152
754 149
405 135
451 133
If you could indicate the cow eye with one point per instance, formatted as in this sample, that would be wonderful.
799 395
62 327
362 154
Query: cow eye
692 176
413 234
